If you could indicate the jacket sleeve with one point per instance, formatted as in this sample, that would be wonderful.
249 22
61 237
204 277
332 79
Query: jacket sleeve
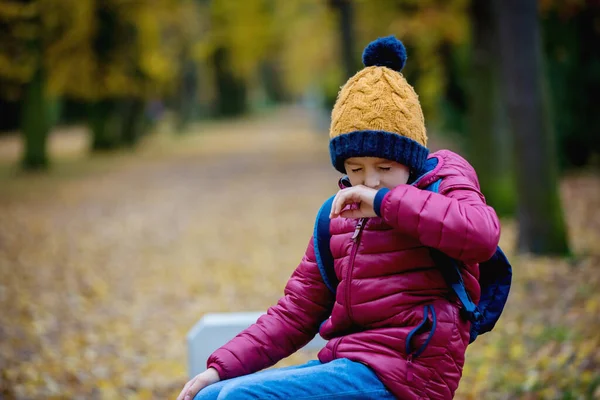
456 221
285 328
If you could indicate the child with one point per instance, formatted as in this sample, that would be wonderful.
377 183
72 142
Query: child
393 329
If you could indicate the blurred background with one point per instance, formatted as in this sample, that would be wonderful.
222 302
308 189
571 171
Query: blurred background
161 159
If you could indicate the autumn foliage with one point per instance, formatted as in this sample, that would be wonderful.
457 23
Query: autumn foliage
106 263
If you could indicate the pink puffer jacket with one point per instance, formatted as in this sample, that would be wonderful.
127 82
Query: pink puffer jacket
388 287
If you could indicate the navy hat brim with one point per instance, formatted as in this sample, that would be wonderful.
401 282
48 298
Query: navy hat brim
382 144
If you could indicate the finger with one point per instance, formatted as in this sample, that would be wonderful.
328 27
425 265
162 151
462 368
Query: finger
352 214
332 211
185 388
334 205
343 199
194 389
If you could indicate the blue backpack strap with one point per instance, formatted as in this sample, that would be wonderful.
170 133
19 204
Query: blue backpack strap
495 277
453 278
321 238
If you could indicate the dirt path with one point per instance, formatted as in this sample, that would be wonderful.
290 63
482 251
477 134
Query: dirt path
102 276
107 262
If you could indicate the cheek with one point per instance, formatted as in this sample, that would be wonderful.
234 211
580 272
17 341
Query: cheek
355 180
397 178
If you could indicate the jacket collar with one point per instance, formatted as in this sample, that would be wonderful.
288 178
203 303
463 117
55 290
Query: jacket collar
430 171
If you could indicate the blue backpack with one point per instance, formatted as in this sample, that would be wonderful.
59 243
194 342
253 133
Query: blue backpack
495 275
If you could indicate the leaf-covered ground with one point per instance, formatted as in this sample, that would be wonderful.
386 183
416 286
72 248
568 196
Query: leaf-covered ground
107 262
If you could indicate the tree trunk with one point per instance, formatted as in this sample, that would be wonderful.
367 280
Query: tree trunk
562 49
489 144
231 91
541 223
133 121
273 83
571 63
187 95
105 125
36 120
345 12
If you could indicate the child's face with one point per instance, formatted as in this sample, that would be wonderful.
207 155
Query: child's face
376 172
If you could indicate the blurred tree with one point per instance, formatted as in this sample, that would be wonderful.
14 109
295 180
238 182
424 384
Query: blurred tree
572 61
134 124
186 31
541 224
231 90
238 39
112 54
39 113
103 111
271 76
345 14
307 40
265 51
132 61
488 144
36 112
9 115
306 47
18 32
186 100
23 74
453 101
426 27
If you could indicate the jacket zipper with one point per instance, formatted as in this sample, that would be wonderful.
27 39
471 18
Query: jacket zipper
356 239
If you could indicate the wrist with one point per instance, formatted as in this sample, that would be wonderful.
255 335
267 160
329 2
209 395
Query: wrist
215 371
379 196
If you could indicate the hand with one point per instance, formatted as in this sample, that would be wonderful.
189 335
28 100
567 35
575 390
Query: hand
197 383
364 196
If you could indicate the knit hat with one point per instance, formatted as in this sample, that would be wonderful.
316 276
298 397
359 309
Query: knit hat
377 113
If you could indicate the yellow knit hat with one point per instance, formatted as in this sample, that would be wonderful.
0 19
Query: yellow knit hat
377 113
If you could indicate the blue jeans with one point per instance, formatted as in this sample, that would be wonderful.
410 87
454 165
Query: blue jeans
338 379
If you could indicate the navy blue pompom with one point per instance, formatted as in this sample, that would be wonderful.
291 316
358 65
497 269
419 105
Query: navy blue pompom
385 52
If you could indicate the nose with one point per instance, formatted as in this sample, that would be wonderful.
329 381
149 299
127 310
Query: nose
372 180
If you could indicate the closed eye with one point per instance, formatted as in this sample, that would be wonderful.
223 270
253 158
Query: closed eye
385 168
356 169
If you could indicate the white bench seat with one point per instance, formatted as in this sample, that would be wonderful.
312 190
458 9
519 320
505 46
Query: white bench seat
216 329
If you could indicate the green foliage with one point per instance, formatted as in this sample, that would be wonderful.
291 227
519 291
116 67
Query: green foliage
116 48
499 190
19 29
91 50
426 27
168 49
572 64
